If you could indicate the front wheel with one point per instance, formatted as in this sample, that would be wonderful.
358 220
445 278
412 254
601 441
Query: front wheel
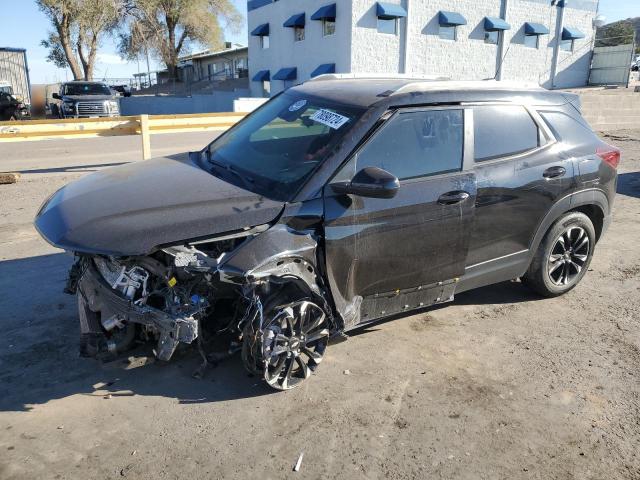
291 344
563 257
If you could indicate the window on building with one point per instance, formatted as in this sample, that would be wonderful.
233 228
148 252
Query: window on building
264 41
491 138
328 26
417 144
567 45
298 34
448 32
491 37
266 88
388 25
531 41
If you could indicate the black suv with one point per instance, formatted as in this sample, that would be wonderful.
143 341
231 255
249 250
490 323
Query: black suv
339 202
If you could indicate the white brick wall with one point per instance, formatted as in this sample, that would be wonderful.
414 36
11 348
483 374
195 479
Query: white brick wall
283 52
358 47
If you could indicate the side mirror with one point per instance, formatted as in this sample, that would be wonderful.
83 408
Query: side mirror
370 182
56 95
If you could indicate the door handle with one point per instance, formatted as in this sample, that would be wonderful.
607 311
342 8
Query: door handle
451 198
554 172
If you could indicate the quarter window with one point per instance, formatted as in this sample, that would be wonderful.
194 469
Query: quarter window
447 32
417 144
500 131
328 26
388 25
491 37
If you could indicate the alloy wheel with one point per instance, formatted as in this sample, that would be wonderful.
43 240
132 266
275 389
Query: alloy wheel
568 256
293 343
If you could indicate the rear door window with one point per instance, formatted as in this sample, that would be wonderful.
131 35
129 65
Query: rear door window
501 131
417 144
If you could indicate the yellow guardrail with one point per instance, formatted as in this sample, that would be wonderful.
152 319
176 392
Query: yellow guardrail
144 125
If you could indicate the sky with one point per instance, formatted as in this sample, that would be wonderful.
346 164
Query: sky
24 26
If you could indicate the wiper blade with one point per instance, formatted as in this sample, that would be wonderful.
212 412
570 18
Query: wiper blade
228 168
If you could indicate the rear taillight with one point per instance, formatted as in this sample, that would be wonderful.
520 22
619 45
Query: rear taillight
609 154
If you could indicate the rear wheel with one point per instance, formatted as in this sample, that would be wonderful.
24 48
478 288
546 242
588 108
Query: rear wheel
563 256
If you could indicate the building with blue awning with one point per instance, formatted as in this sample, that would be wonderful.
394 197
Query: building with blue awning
532 40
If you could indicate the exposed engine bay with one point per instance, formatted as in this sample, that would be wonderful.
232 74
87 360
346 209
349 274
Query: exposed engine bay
276 315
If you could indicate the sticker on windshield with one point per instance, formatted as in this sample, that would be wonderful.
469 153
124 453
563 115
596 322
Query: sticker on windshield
330 119
297 106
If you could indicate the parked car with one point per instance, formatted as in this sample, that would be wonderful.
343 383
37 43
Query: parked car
81 99
339 202
12 108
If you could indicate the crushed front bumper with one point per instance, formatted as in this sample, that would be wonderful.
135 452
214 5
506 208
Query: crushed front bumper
97 296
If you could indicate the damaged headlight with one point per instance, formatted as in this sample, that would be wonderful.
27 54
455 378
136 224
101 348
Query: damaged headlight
128 281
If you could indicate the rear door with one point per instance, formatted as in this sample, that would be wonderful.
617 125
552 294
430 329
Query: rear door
391 247
521 172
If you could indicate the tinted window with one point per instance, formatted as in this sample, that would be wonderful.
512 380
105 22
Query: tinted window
417 144
500 131
568 129
447 33
86 89
531 41
387 25
491 37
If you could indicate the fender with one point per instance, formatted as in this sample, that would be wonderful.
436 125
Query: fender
591 196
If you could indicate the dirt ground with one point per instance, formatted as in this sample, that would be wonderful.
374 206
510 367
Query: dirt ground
499 384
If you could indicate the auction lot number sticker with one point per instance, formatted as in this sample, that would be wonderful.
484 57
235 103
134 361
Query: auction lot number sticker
330 119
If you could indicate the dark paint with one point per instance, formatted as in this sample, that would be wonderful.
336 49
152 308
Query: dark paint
135 208
380 256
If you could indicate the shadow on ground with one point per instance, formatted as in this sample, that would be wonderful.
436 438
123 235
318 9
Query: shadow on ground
39 359
629 184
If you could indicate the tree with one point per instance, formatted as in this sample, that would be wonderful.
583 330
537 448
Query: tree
617 33
168 27
78 27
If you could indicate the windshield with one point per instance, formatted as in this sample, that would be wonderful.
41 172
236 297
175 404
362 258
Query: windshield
274 150
86 89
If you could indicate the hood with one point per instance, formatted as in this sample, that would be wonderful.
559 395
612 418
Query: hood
79 98
133 208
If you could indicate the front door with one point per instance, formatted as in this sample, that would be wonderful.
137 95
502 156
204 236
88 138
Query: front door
401 247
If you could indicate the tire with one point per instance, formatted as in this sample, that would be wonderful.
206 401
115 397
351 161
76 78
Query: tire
290 346
563 256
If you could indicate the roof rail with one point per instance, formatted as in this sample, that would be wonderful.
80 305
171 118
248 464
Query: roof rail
390 76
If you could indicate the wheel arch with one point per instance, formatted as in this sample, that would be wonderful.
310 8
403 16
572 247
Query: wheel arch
592 202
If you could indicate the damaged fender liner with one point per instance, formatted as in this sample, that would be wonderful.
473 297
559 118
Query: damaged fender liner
100 297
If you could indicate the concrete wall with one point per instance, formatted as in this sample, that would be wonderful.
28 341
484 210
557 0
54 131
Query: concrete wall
160 105
306 55
467 58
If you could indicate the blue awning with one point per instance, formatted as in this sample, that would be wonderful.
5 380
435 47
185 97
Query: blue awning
535 29
261 30
324 68
328 11
451 19
262 76
494 24
390 10
286 74
296 20
571 33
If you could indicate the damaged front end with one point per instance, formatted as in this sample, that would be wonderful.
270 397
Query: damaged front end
258 288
